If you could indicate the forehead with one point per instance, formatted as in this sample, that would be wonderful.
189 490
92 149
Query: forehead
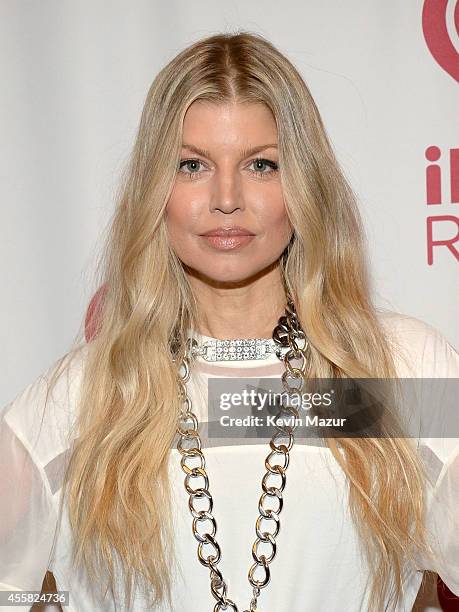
227 122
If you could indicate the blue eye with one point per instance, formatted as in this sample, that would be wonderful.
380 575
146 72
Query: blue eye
188 163
263 167
264 162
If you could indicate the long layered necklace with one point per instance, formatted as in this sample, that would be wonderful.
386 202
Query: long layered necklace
285 335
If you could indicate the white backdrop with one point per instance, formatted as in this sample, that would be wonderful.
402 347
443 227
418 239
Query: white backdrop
74 78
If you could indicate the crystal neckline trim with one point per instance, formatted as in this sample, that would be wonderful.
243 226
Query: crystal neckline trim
238 349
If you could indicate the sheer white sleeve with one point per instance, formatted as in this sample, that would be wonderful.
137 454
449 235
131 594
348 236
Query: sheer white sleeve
34 436
27 515
443 524
440 360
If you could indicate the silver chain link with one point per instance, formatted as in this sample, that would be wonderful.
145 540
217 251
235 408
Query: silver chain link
285 334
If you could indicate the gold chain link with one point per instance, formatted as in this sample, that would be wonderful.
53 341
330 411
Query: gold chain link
285 334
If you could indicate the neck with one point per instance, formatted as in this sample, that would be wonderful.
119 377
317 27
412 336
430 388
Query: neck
237 310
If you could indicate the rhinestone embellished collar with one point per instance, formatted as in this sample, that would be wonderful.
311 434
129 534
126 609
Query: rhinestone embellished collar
239 349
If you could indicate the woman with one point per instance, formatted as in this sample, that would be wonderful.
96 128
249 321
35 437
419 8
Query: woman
235 222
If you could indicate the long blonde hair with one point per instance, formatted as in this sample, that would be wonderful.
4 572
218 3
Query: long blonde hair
117 476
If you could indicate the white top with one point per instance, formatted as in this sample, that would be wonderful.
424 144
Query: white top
318 565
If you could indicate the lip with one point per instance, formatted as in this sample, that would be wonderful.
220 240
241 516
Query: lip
226 232
228 242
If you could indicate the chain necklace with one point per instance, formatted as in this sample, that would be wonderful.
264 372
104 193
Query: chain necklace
285 334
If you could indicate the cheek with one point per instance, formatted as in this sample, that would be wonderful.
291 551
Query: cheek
273 217
182 216
181 211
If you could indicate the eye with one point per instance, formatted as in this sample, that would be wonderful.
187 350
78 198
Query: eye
190 164
264 167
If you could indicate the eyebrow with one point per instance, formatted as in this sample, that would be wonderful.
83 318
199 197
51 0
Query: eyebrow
244 152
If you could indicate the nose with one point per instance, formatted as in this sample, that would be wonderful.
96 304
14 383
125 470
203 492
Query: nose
227 195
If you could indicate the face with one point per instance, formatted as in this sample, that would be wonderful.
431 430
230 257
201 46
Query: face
228 177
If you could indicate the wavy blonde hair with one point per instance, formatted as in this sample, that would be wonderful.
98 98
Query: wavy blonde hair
117 477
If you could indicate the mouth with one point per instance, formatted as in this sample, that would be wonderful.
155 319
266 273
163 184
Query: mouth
228 231
227 242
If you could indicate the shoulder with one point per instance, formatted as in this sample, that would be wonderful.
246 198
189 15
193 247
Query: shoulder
419 348
42 416
421 351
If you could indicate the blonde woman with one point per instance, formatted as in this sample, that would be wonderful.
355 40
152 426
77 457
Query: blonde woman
234 224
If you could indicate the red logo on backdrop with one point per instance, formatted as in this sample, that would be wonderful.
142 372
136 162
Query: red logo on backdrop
437 37
434 26
442 230
442 175
94 314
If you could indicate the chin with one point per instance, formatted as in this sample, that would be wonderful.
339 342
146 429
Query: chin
213 275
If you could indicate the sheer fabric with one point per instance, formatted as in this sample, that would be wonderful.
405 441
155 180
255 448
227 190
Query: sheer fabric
318 565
